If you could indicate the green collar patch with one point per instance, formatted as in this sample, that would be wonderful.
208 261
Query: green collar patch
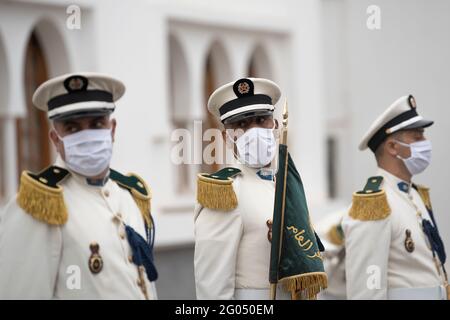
50 177
138 190
223 174
372 186
129 182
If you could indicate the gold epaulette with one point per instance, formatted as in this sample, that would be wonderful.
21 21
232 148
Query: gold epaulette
139 190
41 196
370 203
424 193
215 191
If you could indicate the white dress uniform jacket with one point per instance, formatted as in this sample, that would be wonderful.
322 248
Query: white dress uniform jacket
43 261
232 250
378 266
329 231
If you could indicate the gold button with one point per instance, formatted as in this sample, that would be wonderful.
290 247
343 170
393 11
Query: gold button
130 259
106 193
122 235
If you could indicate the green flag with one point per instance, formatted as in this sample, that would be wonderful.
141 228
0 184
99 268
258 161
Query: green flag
295 258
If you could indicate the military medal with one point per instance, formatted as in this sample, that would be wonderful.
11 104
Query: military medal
95 260
409 243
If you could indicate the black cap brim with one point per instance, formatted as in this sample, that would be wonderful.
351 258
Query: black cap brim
81 114
246 115
419 124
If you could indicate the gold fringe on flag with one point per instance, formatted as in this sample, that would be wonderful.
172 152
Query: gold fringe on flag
216 194
372 206
305 286
42 202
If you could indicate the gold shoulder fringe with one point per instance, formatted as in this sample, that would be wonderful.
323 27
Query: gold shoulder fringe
216 194
42 202
305 286
368 207
335 236
424 193
143 201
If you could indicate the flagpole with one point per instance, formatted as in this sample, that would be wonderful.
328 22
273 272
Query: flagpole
285 123
273 286
273 291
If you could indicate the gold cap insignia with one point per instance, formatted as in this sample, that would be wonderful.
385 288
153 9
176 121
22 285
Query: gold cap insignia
243 87
75 83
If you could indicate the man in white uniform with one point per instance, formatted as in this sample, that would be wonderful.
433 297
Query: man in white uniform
78 229
330 232
393 247
235 204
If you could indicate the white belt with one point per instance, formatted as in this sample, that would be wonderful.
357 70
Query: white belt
431 293
260 294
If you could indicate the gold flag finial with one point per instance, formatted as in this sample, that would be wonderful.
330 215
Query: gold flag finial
285 122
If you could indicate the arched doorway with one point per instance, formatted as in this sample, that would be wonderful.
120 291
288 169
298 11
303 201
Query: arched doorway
217 73
259 65
33 147
179 97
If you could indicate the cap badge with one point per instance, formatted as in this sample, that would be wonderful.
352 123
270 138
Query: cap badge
243 87
75 83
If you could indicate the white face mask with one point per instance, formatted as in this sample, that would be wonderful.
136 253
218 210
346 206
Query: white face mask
88 152
256 147
420 156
